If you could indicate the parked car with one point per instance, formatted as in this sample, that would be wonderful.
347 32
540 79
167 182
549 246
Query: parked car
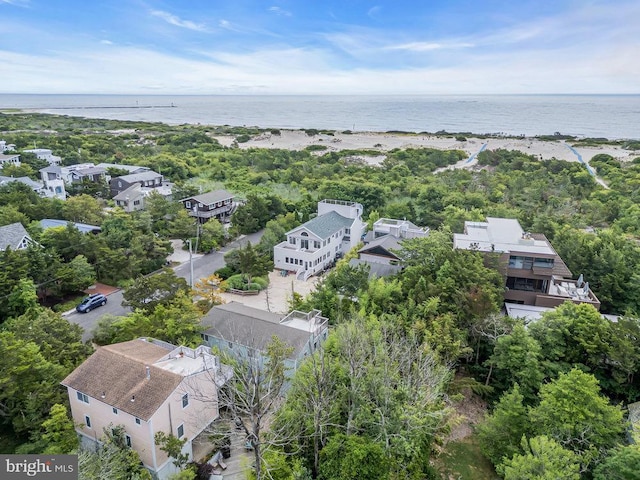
92 301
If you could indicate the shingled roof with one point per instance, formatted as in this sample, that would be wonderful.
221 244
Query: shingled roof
252 327
208 198
12 236
326 225
119 373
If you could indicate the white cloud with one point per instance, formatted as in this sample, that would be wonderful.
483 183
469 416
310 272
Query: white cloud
178 22
428 46
374 11
106 42
20 3
309 71
280 11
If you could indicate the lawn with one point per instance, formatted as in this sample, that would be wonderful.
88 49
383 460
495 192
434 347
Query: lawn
462 460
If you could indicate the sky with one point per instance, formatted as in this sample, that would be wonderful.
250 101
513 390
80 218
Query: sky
292 47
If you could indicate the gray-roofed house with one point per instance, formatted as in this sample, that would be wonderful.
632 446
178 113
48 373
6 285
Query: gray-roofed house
37 187
216 204
46 223
128 168
246 331
534 273
382 242
148 179
14 236
147 386
315 245
131 199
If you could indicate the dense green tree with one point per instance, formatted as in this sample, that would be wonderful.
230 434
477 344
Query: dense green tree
29 384
147 292
501 432
516 359
621 464
350 457
573 412
83 208
543 459
59 341
111 459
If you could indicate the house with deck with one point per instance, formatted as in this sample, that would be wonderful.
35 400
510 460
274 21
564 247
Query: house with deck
315 245
534 273
245 331
147 386
53 179
147 179
216 204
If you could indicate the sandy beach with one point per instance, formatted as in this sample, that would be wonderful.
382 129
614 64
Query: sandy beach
383 142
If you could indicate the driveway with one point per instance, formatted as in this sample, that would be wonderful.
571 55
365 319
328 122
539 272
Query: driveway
203 266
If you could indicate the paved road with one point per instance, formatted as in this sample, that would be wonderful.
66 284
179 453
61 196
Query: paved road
202 267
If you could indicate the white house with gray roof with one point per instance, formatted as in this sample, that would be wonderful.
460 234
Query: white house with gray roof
148 179
14 236
315 245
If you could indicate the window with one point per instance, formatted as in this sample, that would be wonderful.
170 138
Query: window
543 262
304 244
187 204
185 400
87 421
230 344
205 337
127 439
181 431
138 421
136 202
516 261
119 184
82 397
292 240
316 244
115 410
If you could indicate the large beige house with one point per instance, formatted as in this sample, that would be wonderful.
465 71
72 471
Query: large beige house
147 386
534 273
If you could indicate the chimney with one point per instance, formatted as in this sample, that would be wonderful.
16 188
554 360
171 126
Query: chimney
148 373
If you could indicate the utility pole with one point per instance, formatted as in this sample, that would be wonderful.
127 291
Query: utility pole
190 265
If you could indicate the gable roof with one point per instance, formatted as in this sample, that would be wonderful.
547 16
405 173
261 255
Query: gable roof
12 235
8 157
139 177
134 191
52 169
252 327
119 373
26 180
83 172
376 270
326 225
129 168
381 244
211 197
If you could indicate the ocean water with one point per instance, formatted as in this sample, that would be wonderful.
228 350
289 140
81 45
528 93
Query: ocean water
609 116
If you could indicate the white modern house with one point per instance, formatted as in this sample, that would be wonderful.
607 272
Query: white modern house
147 386
314 245
10 159
45 154
53 179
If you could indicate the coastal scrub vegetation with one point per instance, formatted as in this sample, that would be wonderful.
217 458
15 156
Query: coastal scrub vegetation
378 400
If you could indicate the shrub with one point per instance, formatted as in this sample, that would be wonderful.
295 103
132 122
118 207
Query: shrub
244 138
225 272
